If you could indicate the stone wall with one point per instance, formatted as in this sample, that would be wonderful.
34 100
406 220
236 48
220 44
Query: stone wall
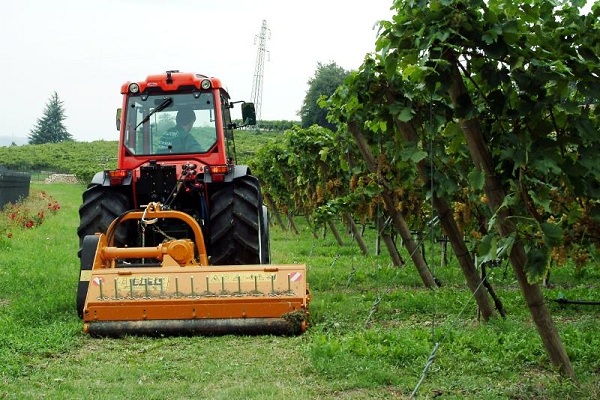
61 178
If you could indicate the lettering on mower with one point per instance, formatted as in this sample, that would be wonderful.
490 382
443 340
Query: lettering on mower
247 277
137 284
156 281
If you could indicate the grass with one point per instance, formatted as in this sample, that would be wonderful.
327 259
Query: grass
373 328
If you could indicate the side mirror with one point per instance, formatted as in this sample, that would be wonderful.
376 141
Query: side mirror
248 114
118 118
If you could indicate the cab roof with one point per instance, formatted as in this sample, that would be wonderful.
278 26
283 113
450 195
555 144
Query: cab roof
171 81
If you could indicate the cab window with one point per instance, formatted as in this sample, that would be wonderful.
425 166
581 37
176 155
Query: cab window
167 123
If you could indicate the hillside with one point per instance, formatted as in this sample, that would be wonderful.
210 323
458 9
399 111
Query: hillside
86 158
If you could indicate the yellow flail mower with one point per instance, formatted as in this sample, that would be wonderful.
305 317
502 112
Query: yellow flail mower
170 289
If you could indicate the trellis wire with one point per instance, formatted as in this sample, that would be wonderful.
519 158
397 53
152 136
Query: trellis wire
437 344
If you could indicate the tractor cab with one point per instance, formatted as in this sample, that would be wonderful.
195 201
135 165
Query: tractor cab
172 124
177 116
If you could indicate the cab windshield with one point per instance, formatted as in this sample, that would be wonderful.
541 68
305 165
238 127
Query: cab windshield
170 124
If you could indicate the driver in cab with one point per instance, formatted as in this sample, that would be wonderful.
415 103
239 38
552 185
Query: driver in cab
178 138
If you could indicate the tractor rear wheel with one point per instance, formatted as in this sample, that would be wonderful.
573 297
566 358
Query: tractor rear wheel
237 226
101 205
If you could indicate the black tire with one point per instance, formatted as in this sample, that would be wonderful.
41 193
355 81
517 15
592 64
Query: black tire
236 223
101 205
88 253
265 255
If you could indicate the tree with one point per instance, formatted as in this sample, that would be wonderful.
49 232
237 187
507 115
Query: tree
50 127
326 80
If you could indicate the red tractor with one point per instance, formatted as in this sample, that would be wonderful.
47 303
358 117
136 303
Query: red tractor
177 148
172 240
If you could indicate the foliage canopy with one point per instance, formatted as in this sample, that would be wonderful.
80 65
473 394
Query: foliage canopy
493 103
327 78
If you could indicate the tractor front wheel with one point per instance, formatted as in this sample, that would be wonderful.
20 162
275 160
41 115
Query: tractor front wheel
88 254
237 224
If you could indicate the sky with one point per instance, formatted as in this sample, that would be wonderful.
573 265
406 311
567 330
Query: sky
84 50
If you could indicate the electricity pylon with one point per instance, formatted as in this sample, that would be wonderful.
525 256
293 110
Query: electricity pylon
259 69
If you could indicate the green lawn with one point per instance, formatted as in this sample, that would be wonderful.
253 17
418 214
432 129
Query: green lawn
373 328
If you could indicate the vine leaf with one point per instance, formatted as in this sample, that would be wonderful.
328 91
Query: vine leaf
537 263
477 179
412 154
323 153
405 115
540 201
553 234
488 247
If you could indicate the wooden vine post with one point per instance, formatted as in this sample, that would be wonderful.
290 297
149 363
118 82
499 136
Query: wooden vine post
356 234
451 229
397 218
274 211
335 232
389 243
494 191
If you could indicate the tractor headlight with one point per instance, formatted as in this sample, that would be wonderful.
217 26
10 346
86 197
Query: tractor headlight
205 84
134 88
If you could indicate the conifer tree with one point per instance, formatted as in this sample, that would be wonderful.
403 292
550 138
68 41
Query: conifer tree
50 127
